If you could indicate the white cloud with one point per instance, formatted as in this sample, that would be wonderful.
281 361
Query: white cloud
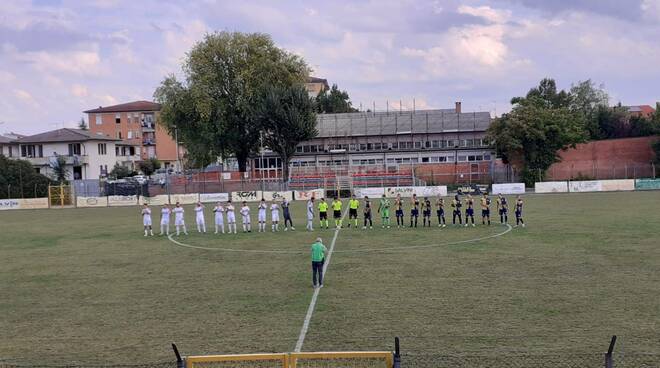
78 90
651 9
73 62
25 97
486 12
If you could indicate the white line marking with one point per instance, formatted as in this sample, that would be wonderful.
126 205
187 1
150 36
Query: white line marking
390 249
312 304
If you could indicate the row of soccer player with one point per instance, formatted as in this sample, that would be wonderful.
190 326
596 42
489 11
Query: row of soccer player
424 206
220 211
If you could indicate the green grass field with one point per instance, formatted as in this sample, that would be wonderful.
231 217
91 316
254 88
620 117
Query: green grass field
84 285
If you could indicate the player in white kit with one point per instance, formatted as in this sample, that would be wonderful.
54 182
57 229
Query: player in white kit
146 220
219 217
261 215
245 213
310 214
178 219
231 216
275 216
165 213
199 218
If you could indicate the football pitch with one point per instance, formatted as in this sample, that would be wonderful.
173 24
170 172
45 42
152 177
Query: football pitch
84 285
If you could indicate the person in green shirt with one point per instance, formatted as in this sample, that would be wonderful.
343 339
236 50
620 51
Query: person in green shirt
384 210
353 205
323 212
318 258
336 210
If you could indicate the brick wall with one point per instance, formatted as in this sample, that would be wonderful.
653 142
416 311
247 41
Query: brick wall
606 159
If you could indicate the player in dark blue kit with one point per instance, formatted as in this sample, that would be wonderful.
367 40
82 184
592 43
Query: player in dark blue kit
398 210
469 210
414 211
519 210
426 212
485 209
456 205
503 208
440 204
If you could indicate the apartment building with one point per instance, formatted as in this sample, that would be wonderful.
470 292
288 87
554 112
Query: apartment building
88 155
315 85
136 122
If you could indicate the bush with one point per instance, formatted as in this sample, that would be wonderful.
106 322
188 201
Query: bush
18 179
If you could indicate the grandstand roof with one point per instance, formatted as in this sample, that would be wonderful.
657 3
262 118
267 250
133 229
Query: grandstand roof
407 122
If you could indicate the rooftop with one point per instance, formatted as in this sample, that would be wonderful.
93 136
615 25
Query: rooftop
406 122
135 106
64 135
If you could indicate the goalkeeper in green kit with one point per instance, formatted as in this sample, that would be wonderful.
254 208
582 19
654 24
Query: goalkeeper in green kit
384 210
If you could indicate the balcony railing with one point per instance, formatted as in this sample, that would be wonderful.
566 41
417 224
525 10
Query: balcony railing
76 160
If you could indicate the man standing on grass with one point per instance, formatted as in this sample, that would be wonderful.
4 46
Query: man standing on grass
318 258
310 215
287 215
384 210
353 205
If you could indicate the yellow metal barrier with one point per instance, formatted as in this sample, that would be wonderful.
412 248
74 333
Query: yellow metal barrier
283 358
382 359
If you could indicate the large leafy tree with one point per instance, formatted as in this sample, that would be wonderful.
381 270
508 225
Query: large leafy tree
591 101
334 101
286 117
19 179
225 73
538 126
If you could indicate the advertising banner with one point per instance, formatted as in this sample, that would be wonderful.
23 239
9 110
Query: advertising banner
23 204
432 191
585 186
278 196
158 200
551 187
213 197
190 198
369 192
647 184
9 204
305 195
509 188
84 202
131 200
248 196
617 185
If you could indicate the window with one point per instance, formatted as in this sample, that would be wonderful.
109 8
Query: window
116 151
31 150
378 146
119 135
103 149
74 149
130 134
131 151
313 148
299 149
37 170
425 159
11 151
99 119
435 144
418 145
462 158
118 118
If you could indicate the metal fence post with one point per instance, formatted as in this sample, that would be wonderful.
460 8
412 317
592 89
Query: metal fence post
609 362
397 354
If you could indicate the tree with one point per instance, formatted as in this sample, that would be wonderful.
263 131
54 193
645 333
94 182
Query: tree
120 172
286 117
82 125
538 126
149 166
333 101
589 100
19 180
60 173
212 110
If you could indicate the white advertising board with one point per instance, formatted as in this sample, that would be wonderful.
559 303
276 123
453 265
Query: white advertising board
585 186
432 191
184 198
551 187
617 185
122 200
213 197
305 195
158 200
509 188
278 196
23 204
369 192
248 196
84 202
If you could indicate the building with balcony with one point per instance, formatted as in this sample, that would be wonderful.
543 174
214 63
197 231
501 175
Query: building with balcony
315 85
136 123
87 155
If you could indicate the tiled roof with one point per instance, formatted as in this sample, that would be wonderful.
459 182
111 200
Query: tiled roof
4 139
407 122
135 106
64 135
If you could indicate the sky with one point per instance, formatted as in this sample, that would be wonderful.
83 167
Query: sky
61 57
